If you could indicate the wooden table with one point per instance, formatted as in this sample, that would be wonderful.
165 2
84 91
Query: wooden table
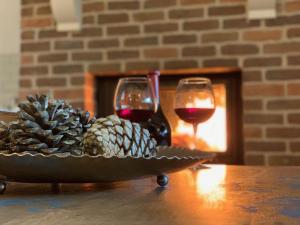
219 195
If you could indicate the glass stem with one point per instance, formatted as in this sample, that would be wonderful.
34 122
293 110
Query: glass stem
195 127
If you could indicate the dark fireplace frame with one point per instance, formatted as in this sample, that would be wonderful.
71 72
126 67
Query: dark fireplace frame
100 86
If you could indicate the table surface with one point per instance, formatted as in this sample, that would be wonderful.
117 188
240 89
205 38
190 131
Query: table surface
216 195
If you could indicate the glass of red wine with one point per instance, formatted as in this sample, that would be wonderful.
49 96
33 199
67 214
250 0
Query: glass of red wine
194 101
134 99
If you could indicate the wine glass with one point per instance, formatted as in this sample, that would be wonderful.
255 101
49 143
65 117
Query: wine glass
134 99
194 101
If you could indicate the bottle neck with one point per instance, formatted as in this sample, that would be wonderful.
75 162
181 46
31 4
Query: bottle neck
154 77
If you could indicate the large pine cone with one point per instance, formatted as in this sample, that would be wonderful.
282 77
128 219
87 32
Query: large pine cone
4 137
113 136
48 126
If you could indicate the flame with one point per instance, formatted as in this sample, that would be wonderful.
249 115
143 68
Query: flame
209 183
211 135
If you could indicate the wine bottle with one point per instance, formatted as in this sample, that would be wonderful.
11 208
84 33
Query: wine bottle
158 124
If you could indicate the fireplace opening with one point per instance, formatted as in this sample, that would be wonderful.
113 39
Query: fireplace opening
221 134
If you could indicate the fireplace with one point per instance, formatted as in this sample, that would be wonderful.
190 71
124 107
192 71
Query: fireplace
221 134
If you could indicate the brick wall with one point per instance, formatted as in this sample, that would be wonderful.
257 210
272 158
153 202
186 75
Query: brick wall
123 35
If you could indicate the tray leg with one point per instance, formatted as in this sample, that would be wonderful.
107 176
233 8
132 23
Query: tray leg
162 180
56 188
3 186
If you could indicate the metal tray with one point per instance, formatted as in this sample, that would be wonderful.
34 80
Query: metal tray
39 168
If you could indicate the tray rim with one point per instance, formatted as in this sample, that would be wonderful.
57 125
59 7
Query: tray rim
202 155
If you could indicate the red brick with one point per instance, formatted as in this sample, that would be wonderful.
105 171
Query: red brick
253 132
128 5
283 132
43 10
294 88
33 2
51 33
88 19
226 10
295 146
252 75
148 16
186 13
293 6
219 37
199 51
113 18
180 64
294 60
51 82
27 11
282 47
160 27
27 35
52 57
196 2
104 67
141 41
220 62
77 80
265 146
253 104
68 45
61 69
239 49
123 30
233 1
260 118
283 20
270 35
72 94
293 32
122 54
158 3
35 46
36 22
179 38
240 23
283 74
160 53
142 65
264 90
25 83
87 56
201 25
288 104
27 59
103 43
89 32
294 118
92 7
34 70
262 62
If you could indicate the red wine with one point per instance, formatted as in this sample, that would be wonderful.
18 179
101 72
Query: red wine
135 115
158 125
194 115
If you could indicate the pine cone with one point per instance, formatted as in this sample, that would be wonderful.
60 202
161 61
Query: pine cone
4 137
113 136
48 126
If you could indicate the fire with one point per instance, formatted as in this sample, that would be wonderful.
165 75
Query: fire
211 135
